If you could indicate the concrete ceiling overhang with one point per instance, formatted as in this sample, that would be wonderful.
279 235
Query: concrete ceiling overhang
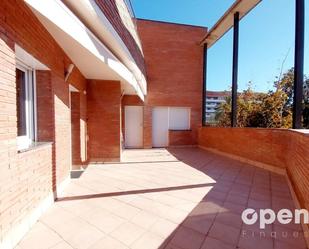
92 16
87 52
226 22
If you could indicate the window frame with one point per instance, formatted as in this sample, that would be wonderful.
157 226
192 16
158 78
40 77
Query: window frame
25 141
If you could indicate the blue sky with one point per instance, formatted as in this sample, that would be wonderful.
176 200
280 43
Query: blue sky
266 38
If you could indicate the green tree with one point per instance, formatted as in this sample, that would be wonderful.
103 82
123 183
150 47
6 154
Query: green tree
270 110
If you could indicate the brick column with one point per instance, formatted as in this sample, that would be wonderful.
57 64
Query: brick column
104 110
147 127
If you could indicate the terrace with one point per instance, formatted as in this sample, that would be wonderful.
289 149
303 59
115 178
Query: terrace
177 199
189 194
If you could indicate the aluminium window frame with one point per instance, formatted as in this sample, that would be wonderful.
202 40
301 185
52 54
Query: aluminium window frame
24 142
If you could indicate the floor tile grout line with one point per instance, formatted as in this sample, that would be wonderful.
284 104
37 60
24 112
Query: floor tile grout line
58 234
223 175
109 234
125 202
247 205
60 243
96 227
214 220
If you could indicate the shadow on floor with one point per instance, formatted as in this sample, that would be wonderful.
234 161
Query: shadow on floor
170 199
132 192
216 223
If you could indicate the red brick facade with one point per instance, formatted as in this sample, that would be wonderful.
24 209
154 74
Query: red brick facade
298 166
109 8
45 113
174 76
28 178
180 138
104 120
174 62
75 130
79 135
263 145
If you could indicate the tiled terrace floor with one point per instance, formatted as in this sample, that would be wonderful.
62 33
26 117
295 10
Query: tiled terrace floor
176 199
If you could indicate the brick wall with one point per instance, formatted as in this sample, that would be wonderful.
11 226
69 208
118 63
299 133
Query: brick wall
44 100
179 138
75 128
298 165
280 148
77 80
174 62
27 178
147 132
111 10
22 191
104 120
263 145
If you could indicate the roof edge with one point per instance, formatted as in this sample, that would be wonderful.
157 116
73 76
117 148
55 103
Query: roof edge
172 23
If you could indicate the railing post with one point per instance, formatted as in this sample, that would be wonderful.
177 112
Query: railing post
235 70
204 84
299 63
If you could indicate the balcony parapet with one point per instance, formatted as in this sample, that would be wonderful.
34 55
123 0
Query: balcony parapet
283 151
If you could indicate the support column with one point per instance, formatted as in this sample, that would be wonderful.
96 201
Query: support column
235 70
204 85
299 63
104 120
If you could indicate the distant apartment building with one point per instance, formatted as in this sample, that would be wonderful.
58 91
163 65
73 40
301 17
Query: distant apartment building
213 100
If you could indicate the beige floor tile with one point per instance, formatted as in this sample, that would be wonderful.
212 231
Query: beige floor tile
40 237
225 233
56 214
62 245
289 236
108 243
105 221
200 223
144 219
255 242
164 199
125 211
69 227
163 228
187 238
128 233
83 237
232 207
148 240
230 219
211 243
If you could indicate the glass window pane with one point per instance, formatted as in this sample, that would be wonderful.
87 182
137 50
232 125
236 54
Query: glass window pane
179 118
21 102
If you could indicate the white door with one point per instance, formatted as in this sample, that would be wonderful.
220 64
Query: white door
160 126
133 126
